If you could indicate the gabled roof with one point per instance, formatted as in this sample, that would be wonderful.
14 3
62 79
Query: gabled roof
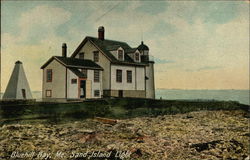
105 46
74 63
77 72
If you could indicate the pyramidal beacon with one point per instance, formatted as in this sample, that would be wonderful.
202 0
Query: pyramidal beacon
18 86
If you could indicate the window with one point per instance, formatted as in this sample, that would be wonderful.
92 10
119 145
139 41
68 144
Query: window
129 76
96 93
85 73
81 55
48 93
73 81
118 75
96 76
137 57
96 56
106 93
49 75
120 55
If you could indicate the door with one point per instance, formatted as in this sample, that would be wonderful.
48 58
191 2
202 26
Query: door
82 88
120 93
88 89
24 93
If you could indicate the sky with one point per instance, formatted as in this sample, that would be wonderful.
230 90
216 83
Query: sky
195 44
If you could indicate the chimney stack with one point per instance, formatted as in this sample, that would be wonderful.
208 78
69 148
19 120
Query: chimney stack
64 50
101 33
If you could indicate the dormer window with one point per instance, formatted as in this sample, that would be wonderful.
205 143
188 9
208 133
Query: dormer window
120 55
137 57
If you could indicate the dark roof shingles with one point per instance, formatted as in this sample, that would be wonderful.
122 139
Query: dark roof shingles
77 72
107 45
78 63
112 48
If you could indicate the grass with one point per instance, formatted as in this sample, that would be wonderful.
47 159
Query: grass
111 108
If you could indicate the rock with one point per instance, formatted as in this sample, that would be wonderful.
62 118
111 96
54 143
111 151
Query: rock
169 136
106 120
111 147
247 134
189 116
125 128
205 146
236 143
217 129
137 153
140 139
139 132
86 136
14 127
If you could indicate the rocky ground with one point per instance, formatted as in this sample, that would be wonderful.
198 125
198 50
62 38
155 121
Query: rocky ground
195 135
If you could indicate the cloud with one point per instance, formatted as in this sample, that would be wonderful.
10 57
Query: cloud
221 12
183 36
35 42
162 61
148 7
40 22
161 28
207 54
216 12
211 79
205 68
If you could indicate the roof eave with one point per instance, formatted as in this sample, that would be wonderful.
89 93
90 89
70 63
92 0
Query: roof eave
86 39
79 47
83 67
130 64
47 63
101 50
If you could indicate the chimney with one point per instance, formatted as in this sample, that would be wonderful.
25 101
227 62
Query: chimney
64 50
101 33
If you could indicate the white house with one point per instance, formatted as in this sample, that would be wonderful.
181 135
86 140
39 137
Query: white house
99 68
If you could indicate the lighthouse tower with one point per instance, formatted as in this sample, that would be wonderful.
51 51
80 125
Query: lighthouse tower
18 86
150 82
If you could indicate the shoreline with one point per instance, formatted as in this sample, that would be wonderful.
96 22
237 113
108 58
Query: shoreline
193 135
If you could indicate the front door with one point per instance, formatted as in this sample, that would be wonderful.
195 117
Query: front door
82 88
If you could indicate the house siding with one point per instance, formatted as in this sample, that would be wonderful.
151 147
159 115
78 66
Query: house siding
150 84
57 86
95 85
126 93
140 78
72 89
138 82
104 62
